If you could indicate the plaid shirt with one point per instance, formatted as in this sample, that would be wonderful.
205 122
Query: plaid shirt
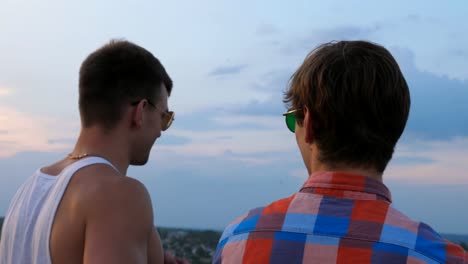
335 218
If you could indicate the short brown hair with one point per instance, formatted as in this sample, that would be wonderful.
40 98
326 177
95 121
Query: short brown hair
358 101
113 75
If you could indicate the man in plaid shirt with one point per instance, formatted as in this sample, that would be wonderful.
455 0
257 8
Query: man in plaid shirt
348 106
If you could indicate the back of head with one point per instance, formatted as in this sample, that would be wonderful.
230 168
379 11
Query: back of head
358 102
112 76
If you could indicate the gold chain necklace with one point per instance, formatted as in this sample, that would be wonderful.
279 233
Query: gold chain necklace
78 156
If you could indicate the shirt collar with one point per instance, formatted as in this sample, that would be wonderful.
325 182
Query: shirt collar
346 182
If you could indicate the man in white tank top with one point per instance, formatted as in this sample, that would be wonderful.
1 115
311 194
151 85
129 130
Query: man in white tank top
83 209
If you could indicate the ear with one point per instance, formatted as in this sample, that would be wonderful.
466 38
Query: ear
136 115
308 127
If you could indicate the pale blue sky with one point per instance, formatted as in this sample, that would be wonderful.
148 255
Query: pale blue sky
228 149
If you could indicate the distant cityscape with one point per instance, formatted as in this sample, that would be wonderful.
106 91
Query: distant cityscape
198 246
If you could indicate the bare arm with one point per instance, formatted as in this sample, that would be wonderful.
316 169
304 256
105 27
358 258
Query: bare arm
155 252
119 225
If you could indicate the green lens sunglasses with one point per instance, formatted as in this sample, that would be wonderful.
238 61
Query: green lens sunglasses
290 118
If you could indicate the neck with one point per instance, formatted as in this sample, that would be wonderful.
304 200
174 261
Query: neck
315 166
351 170
96 142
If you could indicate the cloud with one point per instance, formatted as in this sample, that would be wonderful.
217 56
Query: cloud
258 121
447 56
4 91
255 139
416 18
303 45
23 132
239 141
274 83
237 185
173 140
436 169
438 109
68 141
413 17
234 116
228 70
246 138
299 173
431 162
459 53
256 127
266 30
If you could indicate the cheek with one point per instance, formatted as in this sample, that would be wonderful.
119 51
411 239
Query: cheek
156 123
158 127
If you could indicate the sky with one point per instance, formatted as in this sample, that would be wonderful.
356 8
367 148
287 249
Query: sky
228 149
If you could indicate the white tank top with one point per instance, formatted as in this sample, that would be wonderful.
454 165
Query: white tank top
28 222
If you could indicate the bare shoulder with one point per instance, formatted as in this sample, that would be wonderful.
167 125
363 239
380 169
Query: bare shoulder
118 216
100 188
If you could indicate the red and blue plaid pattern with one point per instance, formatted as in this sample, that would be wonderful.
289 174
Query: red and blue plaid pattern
335 218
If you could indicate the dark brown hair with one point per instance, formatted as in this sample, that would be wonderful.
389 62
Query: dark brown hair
358 101
113 75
